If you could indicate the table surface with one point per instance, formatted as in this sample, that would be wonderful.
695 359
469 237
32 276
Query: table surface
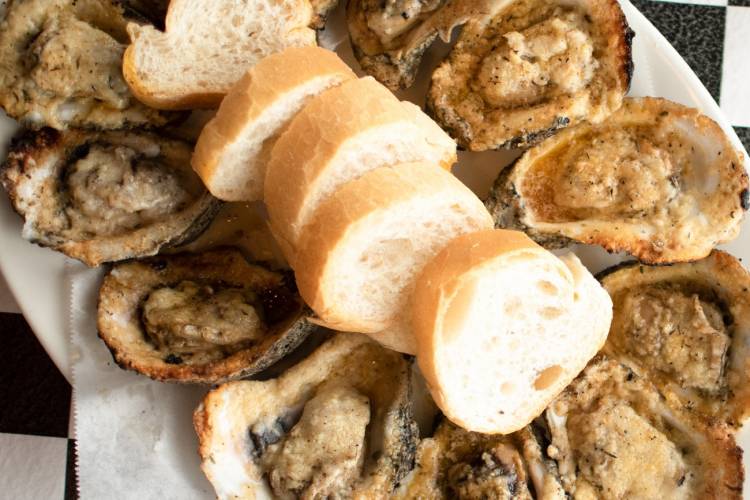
38 456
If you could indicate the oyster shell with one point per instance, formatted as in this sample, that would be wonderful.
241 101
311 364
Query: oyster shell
105 196
657 179
530 68
389 37
61 66
686 328
614 436
456 463
337 425
205 317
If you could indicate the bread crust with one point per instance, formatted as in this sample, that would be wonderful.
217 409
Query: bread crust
348 213
267 83
302 154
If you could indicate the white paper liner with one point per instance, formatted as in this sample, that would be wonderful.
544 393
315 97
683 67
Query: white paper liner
135 437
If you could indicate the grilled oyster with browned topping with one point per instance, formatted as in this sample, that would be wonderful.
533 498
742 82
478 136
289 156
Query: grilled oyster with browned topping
614 436
657 179
455 463
206 317
105 196
389 37
61 66
337 425
530 68
686 328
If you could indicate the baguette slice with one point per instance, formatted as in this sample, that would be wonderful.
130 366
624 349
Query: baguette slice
234 147
502 326
366 244
338 136
207 46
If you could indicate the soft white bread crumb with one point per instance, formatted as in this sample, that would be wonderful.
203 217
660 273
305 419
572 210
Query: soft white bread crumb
502 326
235 146
366 244
338 136
207 46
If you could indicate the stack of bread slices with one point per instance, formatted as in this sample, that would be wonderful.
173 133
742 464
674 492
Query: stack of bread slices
385 241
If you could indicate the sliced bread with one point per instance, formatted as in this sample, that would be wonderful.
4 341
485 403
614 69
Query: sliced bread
235 146
502 326
207 46
366 244
338 136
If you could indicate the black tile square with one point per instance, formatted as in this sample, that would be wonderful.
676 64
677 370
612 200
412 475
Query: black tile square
71 480
696 31
35 396
744 133
741 3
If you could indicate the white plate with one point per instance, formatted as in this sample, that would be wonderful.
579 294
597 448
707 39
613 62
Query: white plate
36 275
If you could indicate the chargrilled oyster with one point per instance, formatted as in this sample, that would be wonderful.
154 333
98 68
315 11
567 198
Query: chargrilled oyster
337 425
657 179
456 463
686 328
105 196
614 436
61 66
532 67
389 37
205 317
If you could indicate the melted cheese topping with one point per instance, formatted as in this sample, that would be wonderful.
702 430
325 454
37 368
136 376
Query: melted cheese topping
114 189
391 18
550 58
323 454
190 317
674 332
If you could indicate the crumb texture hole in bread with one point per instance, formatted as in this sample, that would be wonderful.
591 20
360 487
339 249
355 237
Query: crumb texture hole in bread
242 166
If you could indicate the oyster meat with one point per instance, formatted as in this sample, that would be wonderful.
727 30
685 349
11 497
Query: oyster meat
456 463
337 425
205 317
530 68
105 196
389 37
686 328
613 436
61 66
657 179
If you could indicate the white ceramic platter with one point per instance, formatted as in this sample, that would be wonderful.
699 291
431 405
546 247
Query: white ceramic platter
36 276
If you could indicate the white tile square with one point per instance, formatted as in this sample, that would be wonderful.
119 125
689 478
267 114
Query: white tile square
32 467
735 82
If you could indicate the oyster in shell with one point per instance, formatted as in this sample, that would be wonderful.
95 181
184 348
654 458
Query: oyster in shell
614 436
686 328
337 425
205 317
657 179
61 66
532 67
456 463
105 196
389 37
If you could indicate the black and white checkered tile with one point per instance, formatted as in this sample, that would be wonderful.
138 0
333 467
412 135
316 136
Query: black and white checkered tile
36 455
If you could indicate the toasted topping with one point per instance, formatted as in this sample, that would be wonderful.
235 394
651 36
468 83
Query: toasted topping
190 317
621 455
550 58
675 332
495 474
393 18
323 454
115 189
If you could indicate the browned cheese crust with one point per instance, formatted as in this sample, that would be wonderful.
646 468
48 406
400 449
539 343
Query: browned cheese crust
204 318
61 66
656 179
614 436
105 196
686 327
518 75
